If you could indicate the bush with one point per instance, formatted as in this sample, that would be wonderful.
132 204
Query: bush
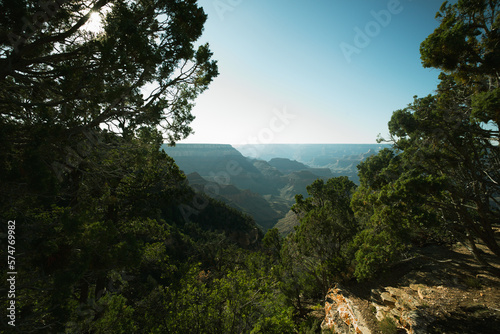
388 326
374 252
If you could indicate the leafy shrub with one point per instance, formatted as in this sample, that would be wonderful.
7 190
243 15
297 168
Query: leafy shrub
388 326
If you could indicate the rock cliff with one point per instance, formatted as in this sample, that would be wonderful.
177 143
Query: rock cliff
343 314
436 291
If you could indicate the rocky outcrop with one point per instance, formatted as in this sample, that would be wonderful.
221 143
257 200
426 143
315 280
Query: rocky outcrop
405 306
343 314
411 309
438 290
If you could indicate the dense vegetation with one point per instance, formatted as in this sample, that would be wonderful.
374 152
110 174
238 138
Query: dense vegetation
109 237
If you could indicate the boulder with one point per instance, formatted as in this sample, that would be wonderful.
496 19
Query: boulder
342 314
403 305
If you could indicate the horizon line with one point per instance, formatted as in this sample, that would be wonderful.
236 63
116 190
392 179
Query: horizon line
218 143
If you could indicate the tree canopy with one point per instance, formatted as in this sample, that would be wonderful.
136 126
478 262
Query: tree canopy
141 68
444 167
326 229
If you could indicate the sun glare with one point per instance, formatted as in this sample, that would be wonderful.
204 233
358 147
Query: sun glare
94 24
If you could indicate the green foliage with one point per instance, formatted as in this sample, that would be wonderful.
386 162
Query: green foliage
105 246
473 283
448 141
388 326
112 313
385 209
272 244
76 81
466 41
374 252
235 302
318 248
125 249
452 171
486 106
311 326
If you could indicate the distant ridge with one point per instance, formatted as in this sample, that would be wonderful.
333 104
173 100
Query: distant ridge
181 150
200 145
313 155
262 180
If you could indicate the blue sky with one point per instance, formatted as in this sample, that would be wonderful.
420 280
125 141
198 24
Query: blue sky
322 71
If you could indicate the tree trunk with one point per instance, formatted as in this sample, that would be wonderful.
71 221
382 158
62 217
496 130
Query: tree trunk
478 255
99 287
84 291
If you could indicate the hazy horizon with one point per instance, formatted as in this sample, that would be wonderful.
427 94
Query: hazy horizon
250 144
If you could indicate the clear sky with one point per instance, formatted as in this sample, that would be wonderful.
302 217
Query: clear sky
311 71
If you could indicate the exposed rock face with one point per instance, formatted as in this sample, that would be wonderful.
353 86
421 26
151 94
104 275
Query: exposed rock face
411 309
437 291
406 306
342 314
